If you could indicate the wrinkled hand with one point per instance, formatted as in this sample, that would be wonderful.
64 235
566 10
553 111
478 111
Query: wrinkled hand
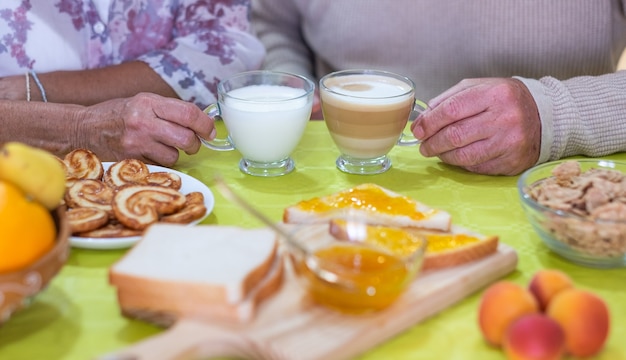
147 127
487 126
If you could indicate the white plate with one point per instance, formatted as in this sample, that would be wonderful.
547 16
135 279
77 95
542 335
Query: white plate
189 184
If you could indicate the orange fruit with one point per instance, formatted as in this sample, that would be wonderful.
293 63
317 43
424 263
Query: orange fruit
27 230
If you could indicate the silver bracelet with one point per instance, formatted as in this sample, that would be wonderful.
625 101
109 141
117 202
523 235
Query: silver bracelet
27 87
39 85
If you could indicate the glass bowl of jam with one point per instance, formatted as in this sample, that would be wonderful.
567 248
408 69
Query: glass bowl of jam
353 267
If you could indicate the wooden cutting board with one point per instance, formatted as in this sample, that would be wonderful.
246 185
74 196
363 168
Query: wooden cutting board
288 326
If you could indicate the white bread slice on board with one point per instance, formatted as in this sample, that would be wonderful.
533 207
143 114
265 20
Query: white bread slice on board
207 272
376 204
444 249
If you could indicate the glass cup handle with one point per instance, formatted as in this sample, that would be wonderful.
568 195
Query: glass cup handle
408 139
218 144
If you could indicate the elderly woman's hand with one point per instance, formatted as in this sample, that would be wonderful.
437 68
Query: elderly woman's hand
147 127
488 126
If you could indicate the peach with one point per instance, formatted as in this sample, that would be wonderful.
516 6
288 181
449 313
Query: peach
500 305
534 336
584 318
547 283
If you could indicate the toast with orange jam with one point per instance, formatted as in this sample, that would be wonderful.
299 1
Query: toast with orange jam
443 249
375 204
448 244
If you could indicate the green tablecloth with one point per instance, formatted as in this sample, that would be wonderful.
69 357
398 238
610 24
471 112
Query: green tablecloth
77 316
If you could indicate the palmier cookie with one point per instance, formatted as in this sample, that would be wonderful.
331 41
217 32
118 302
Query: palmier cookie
137 206
124 172
83 164
90 193
164 178
111 230
86 219
194 209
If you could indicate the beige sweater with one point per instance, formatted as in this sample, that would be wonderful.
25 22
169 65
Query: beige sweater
561 49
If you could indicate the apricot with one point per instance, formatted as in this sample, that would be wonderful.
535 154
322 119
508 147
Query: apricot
547 283
536 337
584 318
500 305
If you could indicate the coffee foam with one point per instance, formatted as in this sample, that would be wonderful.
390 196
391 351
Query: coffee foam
367 90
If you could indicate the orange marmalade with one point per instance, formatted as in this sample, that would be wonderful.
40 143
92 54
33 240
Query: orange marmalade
370 279
396 240
403 242
442 242
404 245
368 198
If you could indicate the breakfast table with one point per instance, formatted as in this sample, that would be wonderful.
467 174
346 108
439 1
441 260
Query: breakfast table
77 316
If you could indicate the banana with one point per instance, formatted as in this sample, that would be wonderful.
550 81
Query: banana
38 173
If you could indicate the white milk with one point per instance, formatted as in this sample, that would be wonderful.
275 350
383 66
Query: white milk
364 148
263 124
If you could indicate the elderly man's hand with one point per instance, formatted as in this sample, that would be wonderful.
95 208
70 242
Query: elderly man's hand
487 126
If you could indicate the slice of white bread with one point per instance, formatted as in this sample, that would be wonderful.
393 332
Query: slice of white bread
206 272
373 202
444 249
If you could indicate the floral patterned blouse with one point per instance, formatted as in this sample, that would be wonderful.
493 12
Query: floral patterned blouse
190 44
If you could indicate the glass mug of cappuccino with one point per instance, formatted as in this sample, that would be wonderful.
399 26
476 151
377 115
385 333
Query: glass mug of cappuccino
265 113
366 112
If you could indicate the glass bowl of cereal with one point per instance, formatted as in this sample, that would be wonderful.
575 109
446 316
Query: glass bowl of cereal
578 208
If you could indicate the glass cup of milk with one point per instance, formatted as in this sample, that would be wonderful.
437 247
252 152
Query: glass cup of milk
366 112
265 113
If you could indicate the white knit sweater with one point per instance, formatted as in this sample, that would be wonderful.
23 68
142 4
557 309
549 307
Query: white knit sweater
565 51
